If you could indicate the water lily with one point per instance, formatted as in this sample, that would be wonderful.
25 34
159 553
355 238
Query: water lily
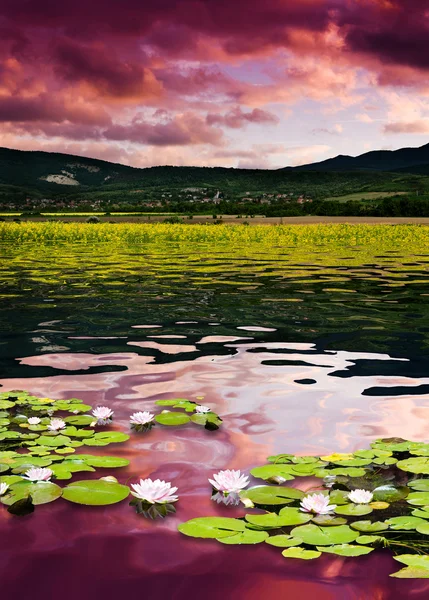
142 421
317 503
360 496
228 484
34 421
3 488
56 424
154 492
36 474
229 481
203 409
103 414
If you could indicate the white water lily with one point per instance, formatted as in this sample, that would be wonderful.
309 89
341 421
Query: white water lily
103 414
3 488
34 421
203 409
56 424
141 418
229 481
154 492
36 474
317 503
360 496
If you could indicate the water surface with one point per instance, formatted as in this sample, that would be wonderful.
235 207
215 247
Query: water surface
300 352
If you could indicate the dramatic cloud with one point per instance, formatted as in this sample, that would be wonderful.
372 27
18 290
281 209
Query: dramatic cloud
137 76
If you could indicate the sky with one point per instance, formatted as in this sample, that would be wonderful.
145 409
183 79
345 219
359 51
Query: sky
234 83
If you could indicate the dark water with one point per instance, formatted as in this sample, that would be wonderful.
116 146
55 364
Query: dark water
299 352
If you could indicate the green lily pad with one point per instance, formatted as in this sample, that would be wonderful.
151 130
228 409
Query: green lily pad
418 499
80 420
106 462
41 492
286 517
346 550
272 472
53 441
272 495
280 458
301 553
353 510
106 437
418 465
172 418
95 492
405 523
325 536
212 527
419 485
283 541
328 520
245 537
369 527
417 566
369 539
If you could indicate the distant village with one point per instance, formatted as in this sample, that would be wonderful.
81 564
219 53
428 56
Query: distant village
163 200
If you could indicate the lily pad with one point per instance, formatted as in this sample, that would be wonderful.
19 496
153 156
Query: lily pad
325 536
283 541
418 465
346 550
41 492
369 527
212 527
405 523
95 492
419 485
353 510
245 537
301 553
272 495
172 418
417 566
418 499
272 472
286 517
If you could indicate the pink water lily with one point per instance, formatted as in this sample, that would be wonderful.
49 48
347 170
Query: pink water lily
141 418
154 492
229 481
317 503
202 409
56 424
34 421
103 414
360 496
36 474
3 488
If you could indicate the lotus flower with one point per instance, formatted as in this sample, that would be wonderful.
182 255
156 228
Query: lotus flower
203 409
36 474
34 421
56 424
229 481
317 503
360 496
103 414
3 488
154 492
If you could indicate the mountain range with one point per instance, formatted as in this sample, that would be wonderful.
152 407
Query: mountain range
37 174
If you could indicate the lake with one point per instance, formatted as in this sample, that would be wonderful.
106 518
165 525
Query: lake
306 351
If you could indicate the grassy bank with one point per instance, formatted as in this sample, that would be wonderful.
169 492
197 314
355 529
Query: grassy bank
392 236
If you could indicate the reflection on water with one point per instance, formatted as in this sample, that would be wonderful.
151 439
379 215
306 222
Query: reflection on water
298 353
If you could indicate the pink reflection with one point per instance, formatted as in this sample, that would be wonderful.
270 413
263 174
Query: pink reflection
265 412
